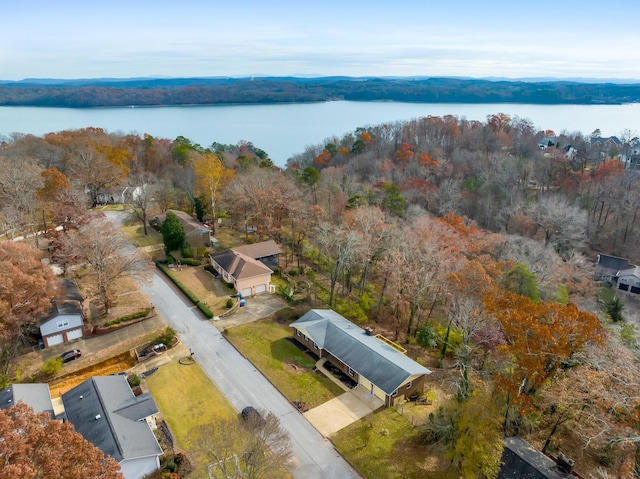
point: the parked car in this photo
(71, 355)
(251, 415)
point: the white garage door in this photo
(55, 339)
(75, 334)
(261, 288)
(246, 292)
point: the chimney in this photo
(565, 464)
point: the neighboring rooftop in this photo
(370, 357)
(37, 396)
(239, 265)
(259, 250)
(189, 222)
(105, 411)
(522, 461)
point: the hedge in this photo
(129, 317)
(192, 297)
(190, 262)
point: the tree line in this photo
(466, 238)
(205, 91)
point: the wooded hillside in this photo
(205, 91)
(470, 242)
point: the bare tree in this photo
(109, 256)
(256, 449)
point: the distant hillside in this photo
(209, 91)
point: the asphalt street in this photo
(243, 385)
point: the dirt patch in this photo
(294, 368)
(114, 365)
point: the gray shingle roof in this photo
(104, 410)
(259, 250)
(240, 266)
(371, 358)
(35, 395)
(522, 461)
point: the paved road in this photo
(243, 385)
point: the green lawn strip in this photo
(186, 398)
(267, 346)
(383, 446)
(135, 233)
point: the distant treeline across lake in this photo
(215, 91)
(284, 130)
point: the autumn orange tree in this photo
(26, 289)
(539, 337)
(37, 446)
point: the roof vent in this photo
(81, 397)
(98, 416)
(565, 464)
(369, 331)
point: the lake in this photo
(283, 130)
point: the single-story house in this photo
(373, 363)
(195, 233)
(35, 395)
(267, 252)
(248, 276)
(65, 320)
(521, 461)
(107, 413)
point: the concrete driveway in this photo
(346, 409)
(255, 308)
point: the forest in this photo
(470, 241)
(209, 91)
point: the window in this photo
(62, 323)
(315, 346)
(305, 338)
(409, 384)
(351, 372)
(394, 393)
(298, 333)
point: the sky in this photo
(199, 38)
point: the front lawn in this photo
(187, 398)
(376, 444)
(269, 346)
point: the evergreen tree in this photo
(172, 233)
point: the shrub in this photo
(210, 269)
(205, 309)
(276, 271)
(311, 274)
(133, 380)
(191, 262)
(166, 337)
(229, 303)
(427, 336)
(192, 297)
(51, 366)
(129, 317)
(187, 252)
(293, 272)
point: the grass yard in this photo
(384, 446)
(186, 398)
(135, 233)
(267, 345)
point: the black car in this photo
(251, 415)
(70, 355)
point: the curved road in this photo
(243, 385)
